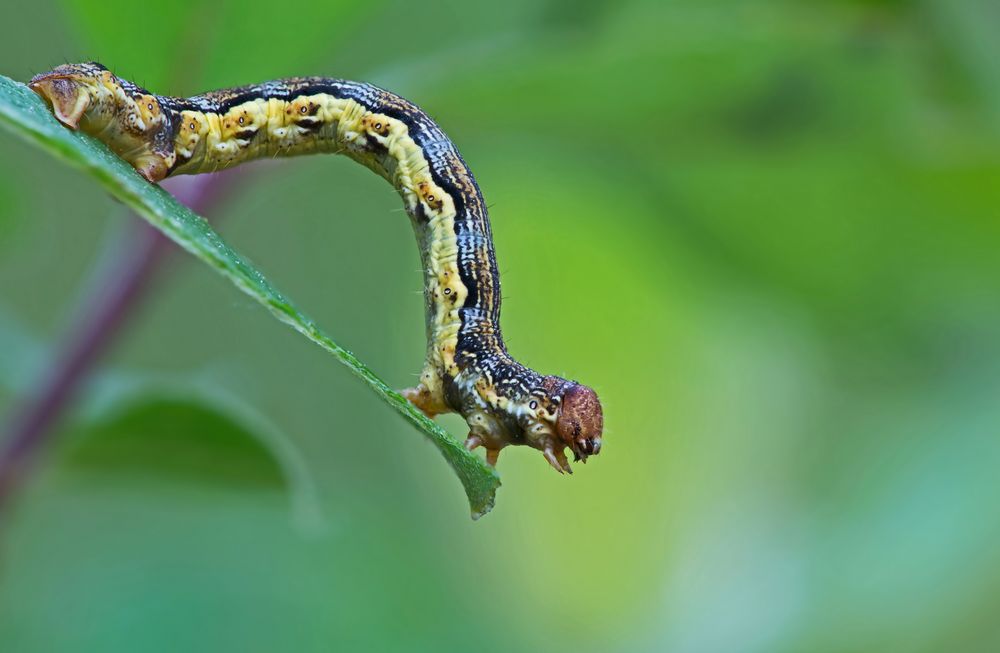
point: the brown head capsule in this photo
(581, 421)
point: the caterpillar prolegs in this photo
(467, 368)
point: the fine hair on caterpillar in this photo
(467, 368)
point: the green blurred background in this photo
(773, 227)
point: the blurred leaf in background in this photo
(785, 216)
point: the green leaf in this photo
(170, 427)
(175, 437)
(197, 435)
(26, 114)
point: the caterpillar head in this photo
(128, 119)
(578, 423)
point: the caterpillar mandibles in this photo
(467, 367)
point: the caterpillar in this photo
(467, 368)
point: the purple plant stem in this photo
(114, 301)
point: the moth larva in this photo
(467, 368)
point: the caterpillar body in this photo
(467, 367)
